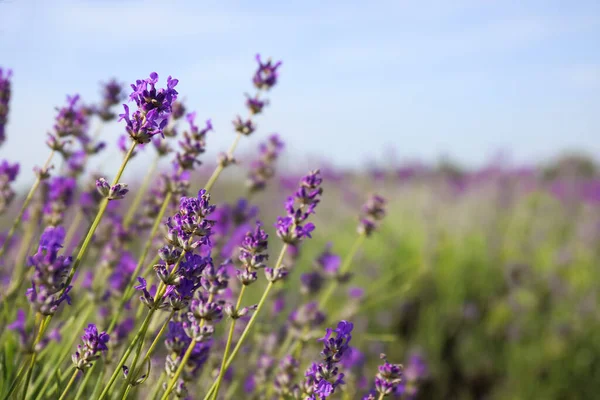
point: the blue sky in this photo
(463, 78)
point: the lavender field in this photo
(244, 278)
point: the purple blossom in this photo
(61, 191)
(112, 94)
(193, 144)
(263, 169)
(72, 119)
(266, 75)
(48, 289)
(94, 344)
(8, 174)
(291, 228)
(388, 377)
(255, 104)
(373, 211)
(153, 108)
(322, 379)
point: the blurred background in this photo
(477, 120)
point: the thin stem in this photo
(71, 381)
(149, 352)
(28, 199)
(343, 269)
(19, 271)
(99, 215)
(140, 193)
(156, 390)
(246, 331)
(182, 364)
(215, 175)
(381, 396)
(42, 328)
(130, 290)
(15, 383)
(73, 227)
(229, 340)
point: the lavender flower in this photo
(177, 342)
(388, 378)
(322, 379)
(253, 251)
(193, 144)
(263, 169)
(112, 94)
(154, 106)
(288, 368)
(72, 119)
(266, 74)
(255, 105)
(291, 228)
(61, 191)
(245, 127)
(8, 174)
(94, 344)
(373, 212)
(48, 289)
(5, 92)
(114, 192)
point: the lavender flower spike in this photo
(154, 107)
(94, 344)
(291, 228)
(322, 379)
(266, 74)
(5, 92)
(48, 289)
(8, 174)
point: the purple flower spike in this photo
(290, 228)
(266, 75)
(5, 93)
(372, 213)
(48, 289)
(153, 108)
(112, 94)
(8, 174)
(94, 344)
(322, 379)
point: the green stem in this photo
(184, 360)
(140, 193)
(156, 390)
(343, 269)
(42, 328)
(215, 175)
(246, 331)
(134, 374)
(228, 344)
(20, 268)
(130, 290)
(28, 199)
(15, 383)
(71, 381)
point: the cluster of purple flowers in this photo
(48, 289)
(373, 212)
(5, 92)
(8, 174)
(153, 108)
(112, 95)
(94, 343)
(60, 194)
(193, 144)
(263, 169)
(292, 228)
(323, 378)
